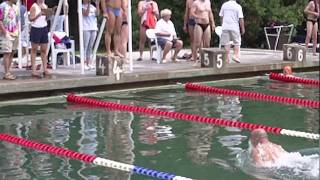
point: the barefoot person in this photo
(143, 7)
(201, 11)
(167, 36)
(9, 33)
(38, 36)
(262, 150)
(90, 28)
(113, 13)
(189, 23)
(312, 13)
(231, 16)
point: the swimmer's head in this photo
(287, 70)
(258, 136)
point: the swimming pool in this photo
(194, 150)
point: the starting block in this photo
(294, 52)
(213, 58)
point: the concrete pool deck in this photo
(146, 73)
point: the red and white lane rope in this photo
(187, 117)
(281, 77)
(58, 151)
(253, 95)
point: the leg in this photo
(315, 38)
(93, 35)
(142, 40)
(86, 40)
(44, 58)
(206, 38)
(166, 49)
(109, 32)
(309, 32)
(227, 49)
(116, 38)
(179, 45)
(197, 41)
(125, 39)
(191, 35)
(34, 48)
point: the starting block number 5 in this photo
(219, 61)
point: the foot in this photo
(174, 60)
(139, 59)
(196, 63)
(153, 59)
(9, 76)
(164, 61)
(235, 59)
(116, 53)
(46, 73)
(86, 67)
(35, 74)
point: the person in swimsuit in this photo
(262, 151)
(189, 23)
(113, 13)
(312, 13)
(202, 12)
(143, 6)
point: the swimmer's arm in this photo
(256, 158)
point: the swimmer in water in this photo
(262, 150)
(287, 71)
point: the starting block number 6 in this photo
(289, 53)
(300, 55)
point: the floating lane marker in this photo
(89, 158)
(187, 117)
(253, 95)
(281, 77)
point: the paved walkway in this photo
(253, 61)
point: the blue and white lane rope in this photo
(58, 151)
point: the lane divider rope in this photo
(58, 151)
(284, 78)
(253, 95)
(187, 117)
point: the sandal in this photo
(9, 76)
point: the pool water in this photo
(188, 149)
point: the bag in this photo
(150, 21)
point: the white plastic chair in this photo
(56, 48)
(218, 31)
(151, 34)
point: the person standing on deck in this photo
(189, 23)
(312, 12)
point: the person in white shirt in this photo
(90, 28)
(231, 15)
(167, 36)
